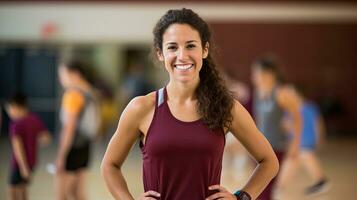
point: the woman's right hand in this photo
(149, 195)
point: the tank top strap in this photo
(161, 96)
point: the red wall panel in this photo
(321, 57)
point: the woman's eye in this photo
(171, 47)
(191, 46)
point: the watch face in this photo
(244, 196)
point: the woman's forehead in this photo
(181, 33)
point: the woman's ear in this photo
(159, 54)
(205, 50)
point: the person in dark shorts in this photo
(182, 126)
(73, 155)
(26, 130)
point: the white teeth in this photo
(184, 67)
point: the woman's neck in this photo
(181, 91)
(270, 87)
(267, 90)
(22, 113)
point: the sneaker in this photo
(320, 187)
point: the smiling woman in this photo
(182, 126)
(182, 53)
(182, 39)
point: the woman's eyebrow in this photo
(170, 43)
(174, 43)
(191, 41)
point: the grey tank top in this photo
(268, 116)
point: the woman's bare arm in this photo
(128, 131)
(244, 129)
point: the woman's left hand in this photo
(222, 193)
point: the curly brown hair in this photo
(215, 102)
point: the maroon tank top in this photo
(180, 159)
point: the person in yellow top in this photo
(74, 147)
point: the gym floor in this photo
(338, 159)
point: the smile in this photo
(184, 66)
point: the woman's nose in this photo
(182, 54)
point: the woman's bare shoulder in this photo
(141, 105)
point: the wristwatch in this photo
(242, 195)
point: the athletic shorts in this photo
(308, 142)
(78, 158)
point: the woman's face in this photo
(261, 79)
(64, 76)
(182, 52)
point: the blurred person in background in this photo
(135, 82)
(271, 100)
(79, 125)
(182, 126)
(109, 108)
(312, 137)
(26, 130)
(240, 90)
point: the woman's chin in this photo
(185, 79)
